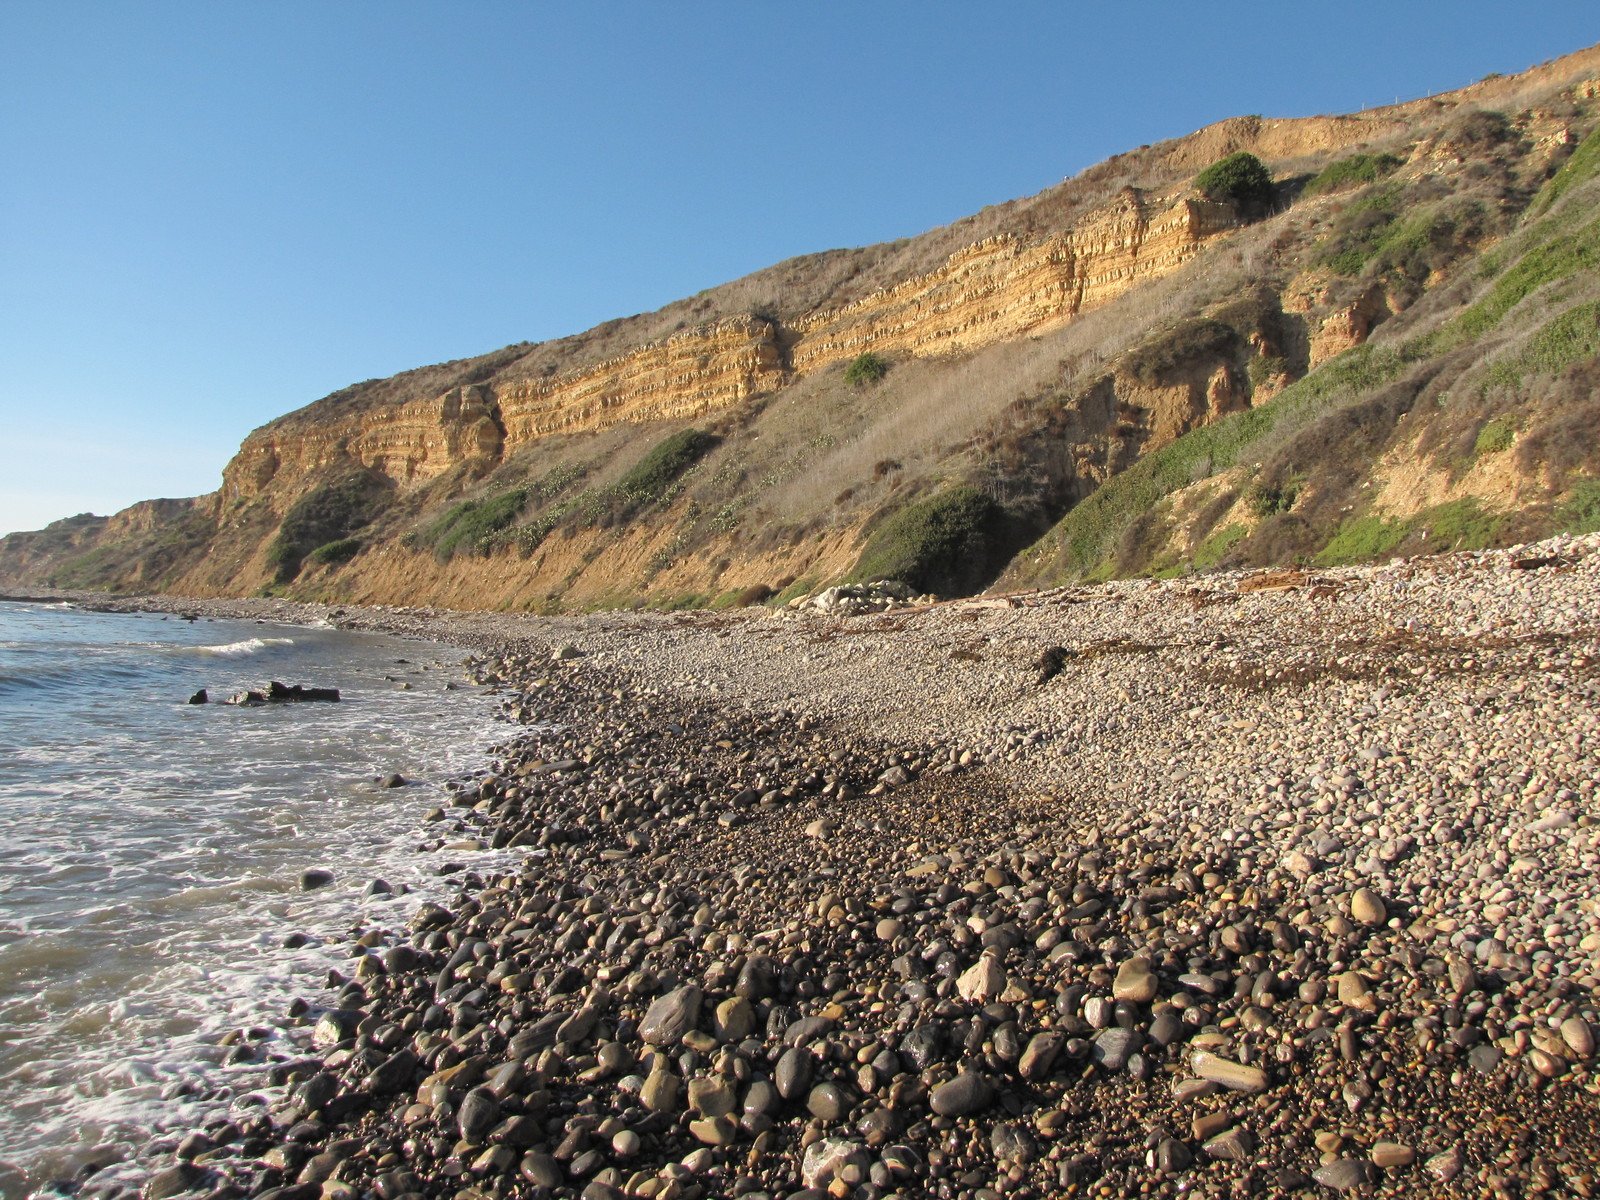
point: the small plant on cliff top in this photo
(1240, 178)
(866, 368)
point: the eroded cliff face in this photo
(683, 378)
(974, 317)
(409, 443)
(998, 289)
(1003, 287)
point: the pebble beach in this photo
(1258, 884)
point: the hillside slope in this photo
(1392, 349)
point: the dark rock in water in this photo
(392, 780)
(314, 878)
(293, 1191)
(318, 1090)
(334, 1027)
(279, 693)
(200, 697)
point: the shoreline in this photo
(1161, 888)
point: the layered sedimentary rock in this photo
(1003, 287)
(684, 377)
(408, 442)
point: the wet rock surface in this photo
(1261, 892)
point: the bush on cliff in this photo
(1241, 179)
(326, 514)
(1347, 172)
(653, 476)
(471, 524)
(866, 368)
(951, 543)
(340, 551)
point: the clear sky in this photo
(214, 213)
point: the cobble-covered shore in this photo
(1238, 885)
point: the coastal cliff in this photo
(1033, 352)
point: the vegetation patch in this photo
(326, 514)
(1264, 368)
(793, 590)
(1210, 553)
(1189, 341)
(1569, 338)
(1580, 511)
(1457, 525)
(470, 526)
(651, 479)
(1583, 164)
(1268, 499)
(866, 368)
(341, 550)
(950, 543)
(1497, 435)
(1350, 171)
(1240, 178)
(1362, 539)
(1086, 536)
(1382, 233)
(1560, 257)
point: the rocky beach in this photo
(1259, 884)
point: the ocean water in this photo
(151, 854)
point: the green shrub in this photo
(866, 368)
(1556, 345)
(653, 476)
(326, 514)
(340, 551)
(1240, 178)
(1214, 549)
(1377, 234)
(1558, 257)
(1580, 511)
(950, 543)
(1495, 436)
(1361, 539)
(1264, 368)
(1270, 499)
(471, 524)
(1357, 168)
(1457, 525)
(792, 590)
(1085, 537)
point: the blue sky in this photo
(211, 214)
